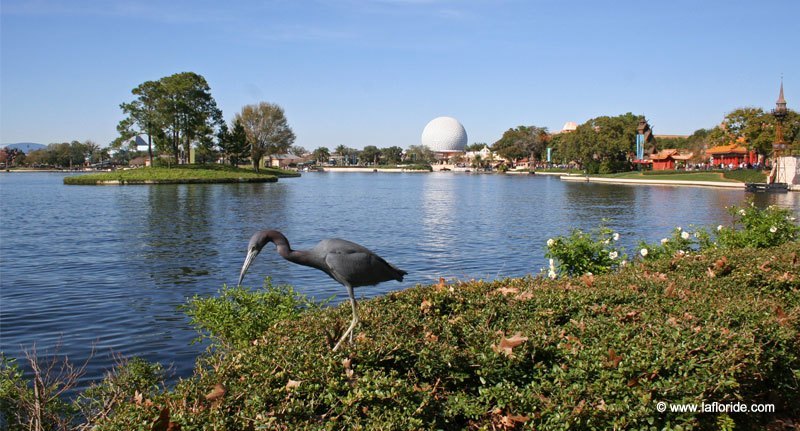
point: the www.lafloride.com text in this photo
(715, 407)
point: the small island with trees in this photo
(183, 124)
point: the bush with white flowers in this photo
(596, 252)
(760, 228)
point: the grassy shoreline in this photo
(181, 174)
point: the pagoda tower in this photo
(780, 114)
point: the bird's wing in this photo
(357, 266)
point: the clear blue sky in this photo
(374, 72)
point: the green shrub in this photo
(581, 253)
(14, 391)
(132, 381)
(587, 354)
(240, 315)
(679, 243)
(746, 175)
(755, 227)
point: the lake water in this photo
(108, 267)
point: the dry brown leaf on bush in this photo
(588, 280)
(782, 317)
(506, 291)
(765, 266)
(348, 371)
(217, 393)
(524, 296)
(431, 337)
(710, 272)
(630, 316)
(511, 421)
(613, 358)
(507, 345)
(162, 423)
(425, 305)
(291, 384)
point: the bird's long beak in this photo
(251, 254)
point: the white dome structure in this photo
(444, 135)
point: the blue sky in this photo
(374, 72)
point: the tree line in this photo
(177, 113)
(68, 155)
(607, 144)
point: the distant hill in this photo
(25, 147)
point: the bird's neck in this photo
(300, 257)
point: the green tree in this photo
(142, 115)
(187, 110)
(391, 155)
(321, 155)
(420, 154)
(521, 142)
(266, 129)
(758, 128)
(233, 142)
(347, 154)
(370, 154)
(297, 150)
(476, 146)
(601, 143)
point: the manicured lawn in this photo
(688, 176)
(180, 174)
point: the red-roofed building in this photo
(731, 154)
(667, 159)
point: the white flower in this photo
(685, 235)
(678, 229)
(680, 252)
(719, 227)
(552, 275)
(615, 237)
(607, 241)
(773, 229)
(550, 242)
(742, 212)
(613, 255)
(643, 252)
(664, 241)
(552, 264)
(623, 263)
(790, 218)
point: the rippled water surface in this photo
(109, 266)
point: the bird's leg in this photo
(353, 323)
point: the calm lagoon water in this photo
(108, 267)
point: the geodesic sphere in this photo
(444, 135)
